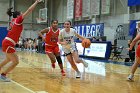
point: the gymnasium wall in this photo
(4, 4)
(57, 9)
(60, 10)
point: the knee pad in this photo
(59, 60)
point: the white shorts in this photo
(70, 50)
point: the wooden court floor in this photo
(35, 75)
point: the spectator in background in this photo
(100, 39)
(35, 44)
(30, 44)
(94, 39)
(40, 41)
(131, 52)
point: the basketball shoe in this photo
(53, 65)
(63, 73)
(4, 78)
(78, 74)
(130, 77)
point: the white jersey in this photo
(69, 37)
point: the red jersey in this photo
(52, 37)
(16, 28)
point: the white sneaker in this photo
(78, 74)
(4, 79)
(130, 78)
(85, 63)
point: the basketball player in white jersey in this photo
(66, 39)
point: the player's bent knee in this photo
(15, 61)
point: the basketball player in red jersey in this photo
(51, 44)
(12, 38)
(137, 57)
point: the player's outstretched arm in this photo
(31, 8)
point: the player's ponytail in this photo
(9, 12)
(14, 14)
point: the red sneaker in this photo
(53, 65)
(63, 73)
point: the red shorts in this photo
(8, 46)
(138, 51)
(52, 49)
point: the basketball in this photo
(86, 43)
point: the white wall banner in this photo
(86, 8)
(105, 6)
(70, 8)
(95, 7)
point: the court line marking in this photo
(23, 87)
(42, 92)
(28, 88)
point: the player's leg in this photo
(135, 65)
(73, 65)
(59, 60)
(49, 52)
(133, 69)
(4, 62)
(79, 60)
(14, 58)
(9, 50)
(56, 52)
(52, 58)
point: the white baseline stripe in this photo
(22, 86)
(42, 92)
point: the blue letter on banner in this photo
(90, 30)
